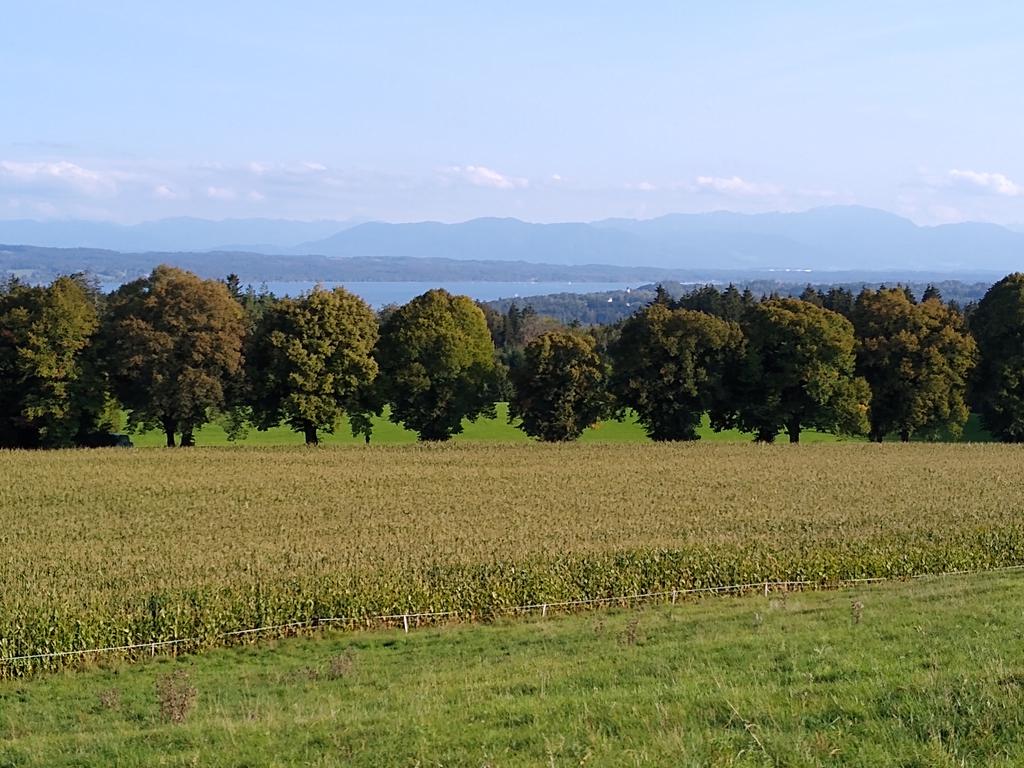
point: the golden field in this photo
(114, 547)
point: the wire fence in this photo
(412, 620)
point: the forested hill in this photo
(611, 306)
(37, 264)
(41, 265)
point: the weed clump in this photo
(856, 611)
(176, 696)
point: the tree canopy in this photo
(799, 372)
(673, 365)
(998, 385)
(171, 342)
(437, 364)
(176, 351)
(310, 361)
(52, 393)
(917, 358)
(558, 387)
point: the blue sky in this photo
(127, 111)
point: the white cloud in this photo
(304, 175)
(990, 183)
(641, 186)
(734, 185)
(138, 189)
(481, 176)
(278, 172)
(220, 193)
(58, 174)
(166, 192)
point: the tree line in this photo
(174, 351)
(610, 307)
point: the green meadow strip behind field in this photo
(490, 430)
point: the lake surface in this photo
(379, 294)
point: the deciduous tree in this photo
(310, 360)
(52, 393)
(171, 343)
(799, 372)
(916, 359)
(437, 364)
(673, 365)
(558, 387)
(998, 382)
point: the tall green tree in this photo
(812, 295)
(559, 387)
(18, 304)
(998, 382)
(310, 361)
(510, 333)
(172, 342)
(437, 364)
(839, 300)
(917, 359)
(664, 298)
(735, 304)
(799, 372)
(52, 394)
(673, 365)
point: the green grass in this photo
(387, 433)
(932, 674)
(495, 430)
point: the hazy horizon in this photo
(352, 221)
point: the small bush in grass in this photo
(110, 699)
(340, 665)
(856, 611)
(176, 696)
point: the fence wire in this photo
(393, 618)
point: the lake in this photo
(379, 294)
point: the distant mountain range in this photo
(40, 264)
(835, 238)
(179, 234)
(821, 239)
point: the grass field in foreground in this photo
(115, 547)
(932, 674)
(493, 430)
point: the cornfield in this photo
(112, 547)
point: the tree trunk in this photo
(188, 440)
(793, 429)
(435, 432)
(876, 436)
(905, 436)
(309, 430)
(765, 436)
(169, 425)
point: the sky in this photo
(569, 111)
